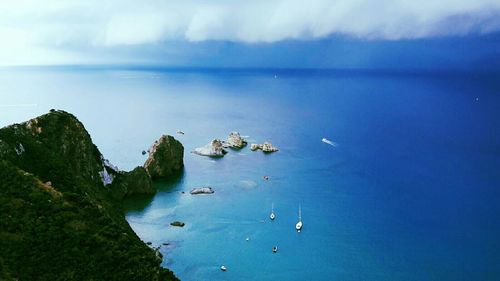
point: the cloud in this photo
(32, 31)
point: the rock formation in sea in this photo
(265, 147)
(236, 141)
(202, 190)
(165, 157)
(214, 149)
(60, 218)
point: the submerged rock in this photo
(202, 190)
(214, 149)
(265, 147)
(247, 184)
(165, 157)
(236, 141)
(177, 223)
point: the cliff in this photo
(60, 214)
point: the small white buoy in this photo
(248, 239)
(223, 268)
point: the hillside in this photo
(60, 213)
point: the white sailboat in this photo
(298, 226)
(272, 216)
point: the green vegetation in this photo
(57, 219)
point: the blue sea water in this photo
(411, 191)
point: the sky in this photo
(257, 33)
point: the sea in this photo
(407, 189)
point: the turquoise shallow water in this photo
(409, 193)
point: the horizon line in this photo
(184, 68)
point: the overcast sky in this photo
(125, 31)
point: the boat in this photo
(272, 216)
(298, 226)
(275, 249)
(223, 268)
(327, 141)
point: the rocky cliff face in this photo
(165, 157)
(58, 218)
(134, 182)
(56, 148)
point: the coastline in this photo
(61, 206)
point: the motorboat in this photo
(298, 226)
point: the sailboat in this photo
(298, 226)
(272, 216)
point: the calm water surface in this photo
(410, 192)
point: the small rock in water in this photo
(236, 141)
(265, 147)
(177, 223)
(144, 152)
(149, 243)
(268, 147)
(202, 190)
(214, 149)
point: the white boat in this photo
(275, 249)
(223, 268)
(272, 216)
(327, 141)
(298, 226)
